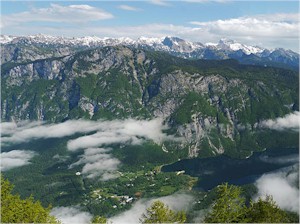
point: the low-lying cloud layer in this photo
(98, 163)
(282, 186)
(73, 214)
(176, 202)
(289, 159)
(26, 131)
(108, 132)
(290, 121)
(96, 159)
(15, 158)
(69, 215)
(121, 131)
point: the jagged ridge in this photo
(224, 49)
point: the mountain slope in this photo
(214, 105)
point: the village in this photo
(131, 186)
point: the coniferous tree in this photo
(266, 211)
(161, 213)
(99, 219)
(17, 210)
(229, 206)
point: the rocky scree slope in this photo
(214, 106)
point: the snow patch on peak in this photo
(209, 44)
(228, 44)
(150, 40)
(88, 40)
(6, 39)
(226, 41)
(125, 40)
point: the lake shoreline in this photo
(213, 171)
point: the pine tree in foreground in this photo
(230, 207)
(17, 210)
(161, 213)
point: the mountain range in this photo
(15, 47)
(89, 120)
(215, 106)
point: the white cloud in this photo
(290, 159)
(269, 30)
(200, 215)
(98, 163)
(129, 8)
(281, 17)
(127, 131)
(178, 201)
(57, 13)
(108, 132)
(207, 1)
(160, 2)
(282, 186)
(69, 215)
(8, 128)
(15, 158)
(26, 131)
(60, 158)
(261, 26)
(147, 30)
(290, 121)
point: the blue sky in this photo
(268, 23)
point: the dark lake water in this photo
(216, 170)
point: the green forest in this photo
(229, 206)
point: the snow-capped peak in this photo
(6, 39)
(226, 41)
(125, 40)
(209, 44)
(149, 40)
(167, 43)
(173, 45)
(232, 45)
(42, 38)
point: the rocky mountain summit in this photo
(213, 105)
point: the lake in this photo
(216, 170)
